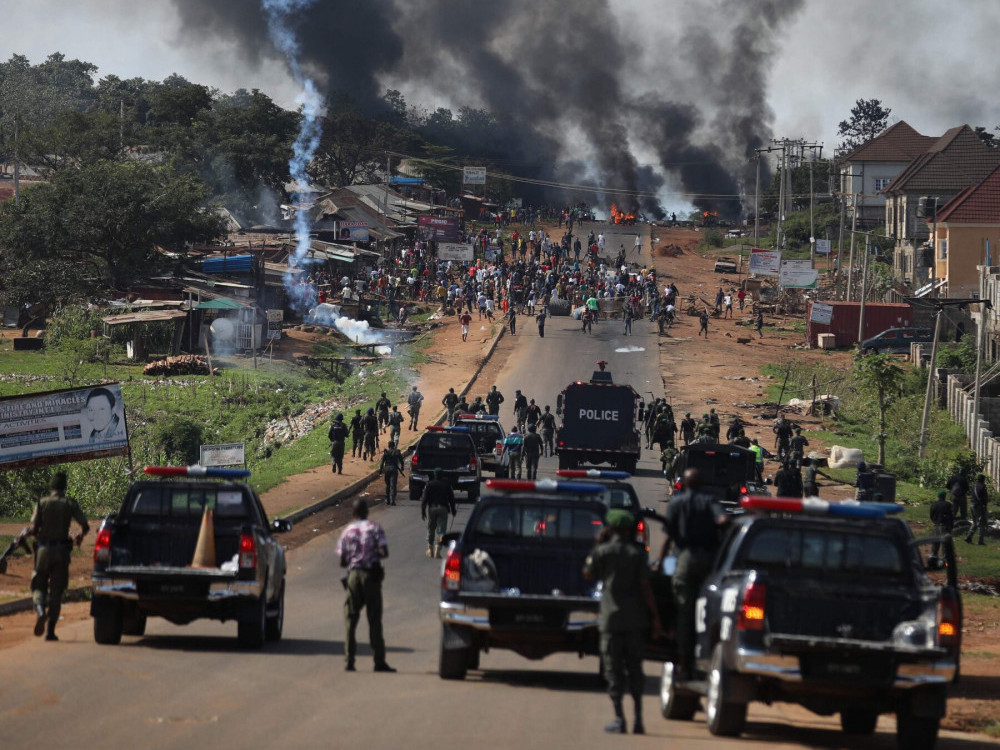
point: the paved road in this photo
(192, 687)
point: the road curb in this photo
(364, 481)
(25, 605)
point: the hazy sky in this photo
(932, 62)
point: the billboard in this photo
(59, 426)
(225, 454)
(474, 175)
(798, 274)
(823, 247)
(765, 262)
(455, 251)
(352, 231)
(438, 228)
(821, 313)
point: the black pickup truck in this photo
(829, 606)
(453, 451)
(143, 558)
(727, 471)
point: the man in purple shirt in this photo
(361, 548)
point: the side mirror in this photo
(281, 525)
(559, 403)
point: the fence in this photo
(977, 428)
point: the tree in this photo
(868, 119)
(986, 136)
(100, 225)
(879, 375)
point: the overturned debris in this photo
(184, 364)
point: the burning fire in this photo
(621, 217)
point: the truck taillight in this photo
(248, 551)
(499, 448)
(642, 533)
(452, 579)
(413, 461)
(473, 461)
(102, 547)
(949, 620)
(753, 609)
(678, 485)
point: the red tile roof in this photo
(957, 160)
(978, 204)
(899, 142)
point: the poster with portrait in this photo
(439, 228)
(75, 424)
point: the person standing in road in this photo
(713, 419)
(369, 423)
(540, 320)
(638, 244)
(361, 548)
(758, 451)
(50, 525)
(512, 319)
(493, 400)
(548, 422)
(391, 465)
(759, 324)
(450, 401)
(693, 522)
(788, 481)
(512, 451)
(627, 315)
(943, 518)
(395, 424)
(520, 410)
(413, 402)
(627, 596)
(741, 297)
(980, 499)
(727, 304)
(532, 448)
(436, 502)
(466, 320)
(337, 435)
(703, 321)
(688, 427)
(797, 447)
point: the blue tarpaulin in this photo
(406, 180)
(231, 264)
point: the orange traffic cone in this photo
(204, 550)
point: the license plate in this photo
(527, 618)
(174, 589)
(851, 669)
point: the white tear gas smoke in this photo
(280, 16)
(358, 331)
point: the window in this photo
(831, 551)
(942, 249)
(881, 183)
(539, 522)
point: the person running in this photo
(703, 320)
(548, 422)
(450, 401)
(688, 427)
(512, 319)
(727, 303)
(395, 424)
(520, 410)
(390, 467)
(382, 411)
(413, 402)
(759, 324)
(741, 297)
(466, 320)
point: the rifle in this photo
(21, 540)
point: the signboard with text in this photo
(352, 231)
(59, 426)
(798, 274)
(822, 247)
(438, 228)
(821, 313)
(225, 454)
(455, 251)
(474, 175)
(765, 262)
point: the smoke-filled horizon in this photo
(688, 117)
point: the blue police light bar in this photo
(544, 485)
(491, 417)
(815, 506)
(442, 428)
(593, 474)
(196, 471)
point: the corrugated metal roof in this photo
(219, 303)
(144, 316)
(228, 264)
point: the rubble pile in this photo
(287, 429)
(670, 251)
(185, 364)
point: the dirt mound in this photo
(670, 251)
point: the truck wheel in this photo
(674, 705)
(276, 620)
(134, 623)
(250, 633)
(629, 465)
(858, 721)
(414, 491)
(916, 732)
(563, 461)
(473, 658)
(453, 663)
(108, 625)
(725, 718)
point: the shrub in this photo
(179, 438)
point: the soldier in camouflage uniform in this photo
(50, 523)
(390, 467)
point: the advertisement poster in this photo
(225, 454)
(798, 274)
(474, 175)
(439, 228)
(456, 251)
(352, 231)
(765, 262)
(822, 247)
(58, 426)
(821, 313)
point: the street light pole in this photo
(930, 383)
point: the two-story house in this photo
(966, 236)
(957, 160)
(867, 170)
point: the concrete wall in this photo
(977, 430)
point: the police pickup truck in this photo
(186, 548)
(487, 433)
(828, 605)
(598, 423)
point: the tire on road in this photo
(415, 491)
(858, 720)
(725, 717)
(559, 307)
(674, 705)
(251, 632)
(453, 663)
(108, 624)
(133, 622)
(276, 619)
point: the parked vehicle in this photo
(144, 555)
(897, 340)
(453, 451)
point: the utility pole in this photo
(756, 209)
(840, 248)
(812, 225)
(388, 169)
(850, 259)
(930, 382)
(864, 283)
(984, 309)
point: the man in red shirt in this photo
(465, 319)
(740, 296)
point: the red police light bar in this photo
(442, 428)
(815, 506)
(593, 474)
(196, 471)
(543, 485)
(494, 417)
